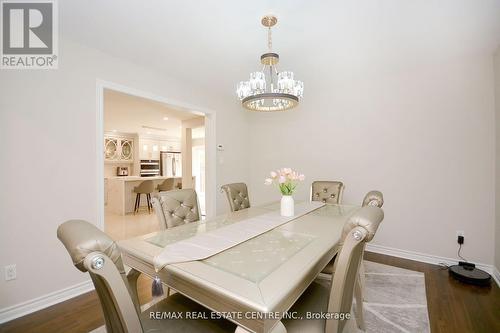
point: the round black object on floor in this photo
(470, 275)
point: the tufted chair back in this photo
(237, 195)
(167, 185)
(327, 191)
(93, 251)
(176, 207)
(358, 230)
(374, 198)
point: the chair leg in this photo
(358, 295)
(139, 202)
(136, 206)
(148, 198)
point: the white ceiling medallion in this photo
(270, 90)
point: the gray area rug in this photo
(395, 300)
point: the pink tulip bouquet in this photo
(286, 179)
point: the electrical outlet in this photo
(10, 272)
(460, 233)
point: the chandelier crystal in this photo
(270, 90)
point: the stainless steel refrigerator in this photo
(171, 163)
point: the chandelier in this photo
(270, 90)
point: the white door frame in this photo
(210, 145)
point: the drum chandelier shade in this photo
(270, 90)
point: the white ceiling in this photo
(217, 43)
(130, 114)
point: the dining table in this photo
(253, 283)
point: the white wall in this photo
(497, 193)
(110, 169)
(49, 167)
(420, 128)
(198, 142)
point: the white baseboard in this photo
(429, 258)
(22, 309)
(496, 275)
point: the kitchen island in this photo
(121, 195)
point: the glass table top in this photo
(335, 210)
(185, 231)
(255, 258)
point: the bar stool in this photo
(146, 187)
(167, 185)
(177, 183)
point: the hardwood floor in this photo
(453, 306)
(79, 314)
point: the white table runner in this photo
(210, 243)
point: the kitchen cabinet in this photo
(170, 145)
(150, 148)
(118, 149)
(126, 151)
(110, 148)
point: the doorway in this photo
(138, 131)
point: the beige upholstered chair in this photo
(336, 296)
(372, 198)
(146, 187)
(327, 191)
(178, 183)
(167, 185)
(237, 195)
(93, 251)
(176, 207)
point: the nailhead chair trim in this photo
(237, 195)
(327, 191)
(176, 207)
